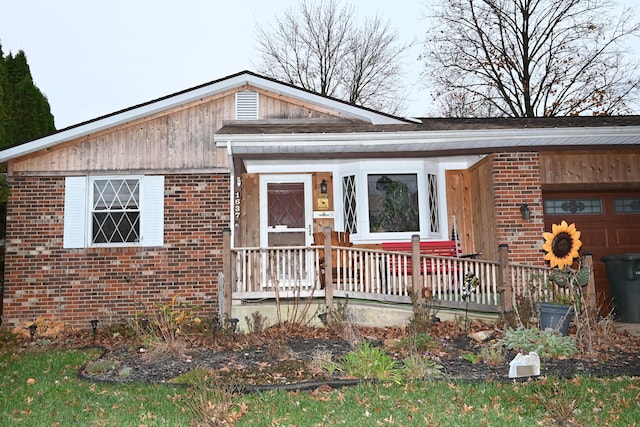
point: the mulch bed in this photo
(281, 355)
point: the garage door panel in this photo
(596, 238)
(609, 222)
(627, 236)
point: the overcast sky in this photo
(95, 57)
(92, 57)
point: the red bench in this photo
(442, 248)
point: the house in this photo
(124, 211)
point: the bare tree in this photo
(321, 46)
(531, 58)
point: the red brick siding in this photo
(517, 180)
(109, 284)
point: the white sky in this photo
(93, 57)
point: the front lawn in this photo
(40, 388)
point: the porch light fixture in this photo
(525, 211)
(94, 326)
(323, 187)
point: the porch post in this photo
(416, 285)
(504, 279)
(226, 272)
(328, 269)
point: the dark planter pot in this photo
(555, 316)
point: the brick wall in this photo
(517, 180)
(110, 284)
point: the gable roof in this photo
(186, 96)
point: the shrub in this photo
(212, 404)
(161, 331)
(547, 343)
(421, 367)
(370, 362)
(492, 355)
(256, 324)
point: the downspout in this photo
(224, 277)
(232, 187)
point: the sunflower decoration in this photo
(562, 245)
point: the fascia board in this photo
(497, 138)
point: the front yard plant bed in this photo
(282, 358)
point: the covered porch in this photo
(286, 273)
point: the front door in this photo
(285, 210)
(286, 228)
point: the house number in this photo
(236, 205)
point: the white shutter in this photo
(246, 105)
(152, 211)
(75, 212)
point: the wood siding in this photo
(483, 214)
(596, 167)
(459, 205)
(177, 140)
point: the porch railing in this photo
(362, 274)
(286, 272)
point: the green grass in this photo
(55, 397)
(612, 402)
(58, 398)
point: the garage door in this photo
(608, 220)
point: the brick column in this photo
(517, 180)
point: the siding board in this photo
(175, 140)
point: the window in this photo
(379, 201)
(573, 206)
(114, 211)
(115, 215)
(627, 205)
(393, 203)
(349, 204)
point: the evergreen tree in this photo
(25, 113)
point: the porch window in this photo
(393, 203)
(380, 201)
(114, 211)
(349, 202)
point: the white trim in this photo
(426, 141)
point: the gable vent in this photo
(246, 105)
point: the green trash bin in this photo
(623, 272)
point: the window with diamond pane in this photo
(349, 204)
(115, 211)
(432, 189)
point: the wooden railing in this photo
(287, 272)
(275, 271)
(533, 283)
(362, 274)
